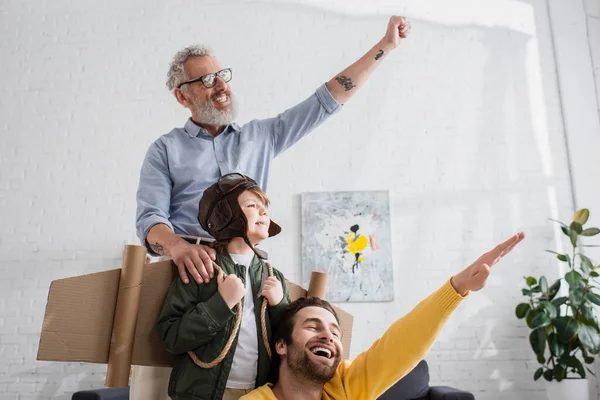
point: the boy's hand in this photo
(231, 288)
(272, 291)
(473, 277)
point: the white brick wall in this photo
(462, 124)
(592, 11)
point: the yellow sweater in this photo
(391, 357)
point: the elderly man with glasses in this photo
(181, 164)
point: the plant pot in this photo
(568, 389)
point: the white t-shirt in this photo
(245, 359)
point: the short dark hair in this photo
(284, 326)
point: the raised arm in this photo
(408, 340)
(346, 83)
(290, 126)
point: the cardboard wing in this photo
(110, 317)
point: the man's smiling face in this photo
(213, 106)
(316, 348)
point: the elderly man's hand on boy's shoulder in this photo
(194, 258)
(272, 291)
(230, 288)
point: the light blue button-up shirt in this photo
(180, 165)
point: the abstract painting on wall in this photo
(348, 235)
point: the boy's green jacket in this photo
(196, 318)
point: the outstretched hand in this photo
(474, 277)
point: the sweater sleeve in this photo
(401, 347)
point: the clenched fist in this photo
(473, 277)
(272, 291)
(397, 29)
(231, 288)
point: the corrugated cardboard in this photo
(110, 317)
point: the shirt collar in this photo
(194, 130)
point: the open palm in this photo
(474, 277)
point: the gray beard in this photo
(208, 114)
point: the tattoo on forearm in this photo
(345, 82)
(157, 248)
(379, 54)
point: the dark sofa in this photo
(414, 386)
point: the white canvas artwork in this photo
(348, 235)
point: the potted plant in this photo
(565, 333)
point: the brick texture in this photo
(462, 124)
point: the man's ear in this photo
(281, 347)
(181, 97)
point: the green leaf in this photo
(556, 347)
(594, 274)
(554, 289)
(565, 230)
(531, 281)
(586, 261)
(561, 223)
(559, 372)
(566, 328)
(573, 236)
(530, 317)
(559, 301)
(538, 373)
(573, 278)
(536, 289)
(590, 232)
(537, 340)
(576, 226)
(587, 310)
(526, 292)
(580, 369)
(586, 356)
(581, 216)
(543, 284)
(548, 374)
(593, 297)
(576, 297)
(540, 320)
(522, 310)
(551, 309)
(588, 335)
(541, 359)
(574, 363)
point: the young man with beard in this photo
(307, 340)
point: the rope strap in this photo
(236, 328)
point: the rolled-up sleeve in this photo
(293, 124)
(154, 191)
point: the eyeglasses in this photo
(209, 80)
